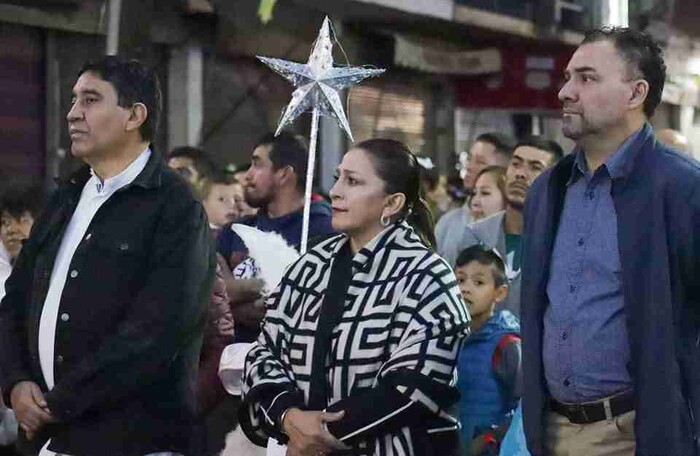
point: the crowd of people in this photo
(553, 312)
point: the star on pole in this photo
(317, 82)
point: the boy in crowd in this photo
(489, 363)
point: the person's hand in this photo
(30, 407)
(223, 265)
(249, 314)
(308, 436)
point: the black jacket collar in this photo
(150, 177)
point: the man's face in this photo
(481, 155)
(597, 91)
(14, 230)
(96, 123)
(185, 166)
(261, 181)
(526, 164)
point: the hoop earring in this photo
(385, 221)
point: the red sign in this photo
(530, 79)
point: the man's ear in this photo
(138, 113)
(287, 175)
(640, 91)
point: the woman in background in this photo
(489, 193)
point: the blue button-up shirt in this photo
(585, 347)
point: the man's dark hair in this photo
(134, 83)
(643, 55)
(201, 161)
(486, 256)
(538, 142)
(503, 144)
(18, 198)
(287, 149)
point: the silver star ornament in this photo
(317, 82)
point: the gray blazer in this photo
(489, 231)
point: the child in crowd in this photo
(219, 200)
(489, 363)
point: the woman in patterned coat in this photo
(358, 349)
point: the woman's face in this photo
(358, 198)
(487, 199)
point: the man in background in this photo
(274, 184)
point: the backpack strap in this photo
(503, 342)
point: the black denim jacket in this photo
(131, 315)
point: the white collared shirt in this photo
(5, 269)
(94, 195)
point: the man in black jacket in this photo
(101, 325)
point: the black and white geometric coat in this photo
(391, 360)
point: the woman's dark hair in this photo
(396, 165)
(20, 197)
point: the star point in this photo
(318, 81)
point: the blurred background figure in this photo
(193, 164)
(674, 139)
(20, 205)
(434, 188)
(455, 191)
(238, 171)
(5, 268)
(489, 193)
(489, 149)
(215, 408)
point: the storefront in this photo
(22, 103)
(520, 99)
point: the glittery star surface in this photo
(317, 82)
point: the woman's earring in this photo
(384, 220)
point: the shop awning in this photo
(412, 53)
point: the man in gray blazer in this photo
(503, 230)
